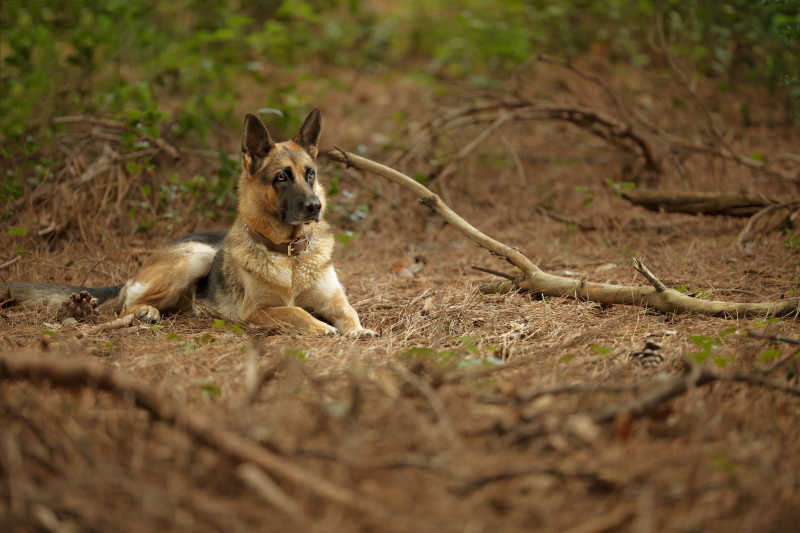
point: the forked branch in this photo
(534, 279)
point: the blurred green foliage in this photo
(115, 55)
(178, 68)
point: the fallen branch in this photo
(697, 203)
(74, 373)
(536, 280)
(696, 377)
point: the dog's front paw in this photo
(326, 329)
(361, 333)
(145, 313)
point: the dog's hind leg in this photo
(167, 279)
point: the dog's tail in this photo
(52, 295)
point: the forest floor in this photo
(442, 423)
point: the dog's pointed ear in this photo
(308, 136)
(256, 143)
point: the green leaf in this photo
(212, 389)
(702, 340)
(468, 343)
(297, 353)
(333, 185)
(419, 351)
(420, 177)
(345, 237)
(219, 324)
(601, 350)
(18, 231)
(769, 355)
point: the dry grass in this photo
(440, 442)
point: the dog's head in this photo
(281, 178)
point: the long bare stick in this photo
(76, 373)
(432, 200)
(536, 280)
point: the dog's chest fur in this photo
(269, 279)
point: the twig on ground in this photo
(446, 169)
(472, 373)
(92, 121)
(505, 475)
(771, 218)
(75, 373)
(577, 388)
(540, 282)
(565, 220)
(775, 338)
(10, 262)
(119, 323)
(605, 522)
(495, 273)
(696, 377)
(262, 379)
(164, 146)
(642, 269)
(269, 490)
(434, 401)
(588, 77)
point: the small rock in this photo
(583, 427)
(607, 266)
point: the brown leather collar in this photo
(294, 247)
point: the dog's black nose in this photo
(312, 207)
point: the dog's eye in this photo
(281, 177)
(310, 175)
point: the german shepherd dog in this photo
(269, 269)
